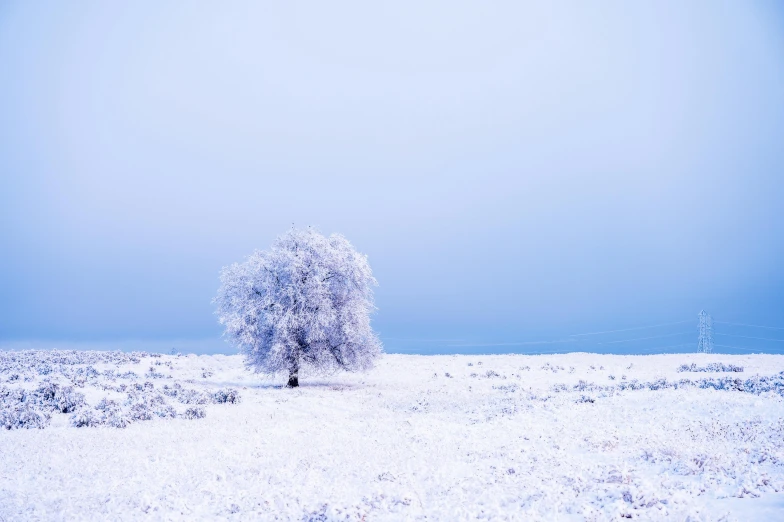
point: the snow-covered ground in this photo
(548, 437)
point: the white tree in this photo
(306, 301)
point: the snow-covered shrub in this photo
(12, 396)
(712, 367)
(46, 392)
(166, 411)
(581, 385)
(57, 398)
(153, 374)
(655, 385)
(116, 420)
(109, 413)
(84, 418)
(54, 390)
(756, 385)
(307, 301)
(146, 387)
(23, 416)
(190, 396)
(194, 413)
(171, 391)
(66, 400)
(106, 405)
(140, 411)
(193, 397)
(552, 367)
(142, 405)
(227, 395)
(139, 406)
(44, 362)
(20, 408)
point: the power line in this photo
(645, 338)
(747, 337)
(552, 352)
(738, 347)
(666, 347)
(564, 341)
(510, 344)
(422, 340)
(750, 325)
(630, 329)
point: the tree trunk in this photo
(293, 374)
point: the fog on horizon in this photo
(519, 174)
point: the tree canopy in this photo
(306, 301)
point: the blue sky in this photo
(517, 172)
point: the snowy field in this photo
(108, 435)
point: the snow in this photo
(502, 437)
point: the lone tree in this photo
(306, 301)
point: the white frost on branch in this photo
(306, 301)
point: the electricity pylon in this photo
(705, 341)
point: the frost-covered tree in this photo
(306, 301)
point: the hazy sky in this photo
(515, 171)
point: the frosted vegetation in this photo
(34, 385)
(503, 437)
(306, 301)
(712, 367)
